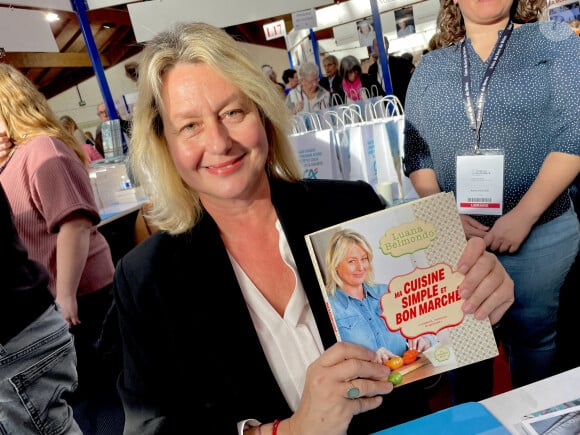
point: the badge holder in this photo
(479, 177)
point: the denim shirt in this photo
(360, 322)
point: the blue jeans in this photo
(37, 369)
(538, 269)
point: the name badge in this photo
(480, 183)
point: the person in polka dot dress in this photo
(507, 79)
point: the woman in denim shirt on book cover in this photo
(356, 301)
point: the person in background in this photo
(356, 84)
(332, 81)
(71, 126)
(408, 56)
(232, 213)
(529, 113)
(37, 358)
(290, 79)
(89, 138)
(308, 96)
(47, 183)
(355, 300)
(400, 71)
(271, 74)
(104, 116)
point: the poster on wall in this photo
(345, 34)
(405, 21)
(565, 12)
(366, 32)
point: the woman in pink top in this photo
(47, 183)
(72, 127)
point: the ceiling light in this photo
(51, 17)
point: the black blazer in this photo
(400, 71)
(335, 89)
(192, 359)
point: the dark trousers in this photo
(473, 382)
(567, 328)
(93, 309)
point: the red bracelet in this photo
(275, 427)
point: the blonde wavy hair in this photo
(335, 253)
(451, 28)
(27, 114)
(176, 206)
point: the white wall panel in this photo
(25, 30)
(151, 17)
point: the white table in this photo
(116, 211)
(510, 407)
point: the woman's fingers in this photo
(487, 289)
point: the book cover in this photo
(558, 407)
(561, 422)
(390, 283)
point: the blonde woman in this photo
(355, 299)
(46, 180)
(210, 134)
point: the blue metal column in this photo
(315, 52)
(381, 44)
(290, 59)
(80, 8)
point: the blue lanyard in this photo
(475, 115)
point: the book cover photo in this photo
(390, 283)
(561, 422)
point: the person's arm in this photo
(556, 174)
(72, 249)
(425, 182)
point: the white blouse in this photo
(290, 343)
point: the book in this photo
(564, 421)
(414, 251)
(563, 405)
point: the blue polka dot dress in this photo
(532, 108)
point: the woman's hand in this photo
(509, 231)
(5, 144)
(298, 107)
(69, 308)
(325, 406)
(420, 344)
(487, 289)
(383, 354)
(472, 227)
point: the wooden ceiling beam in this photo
(51, 60)
(109, 15)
